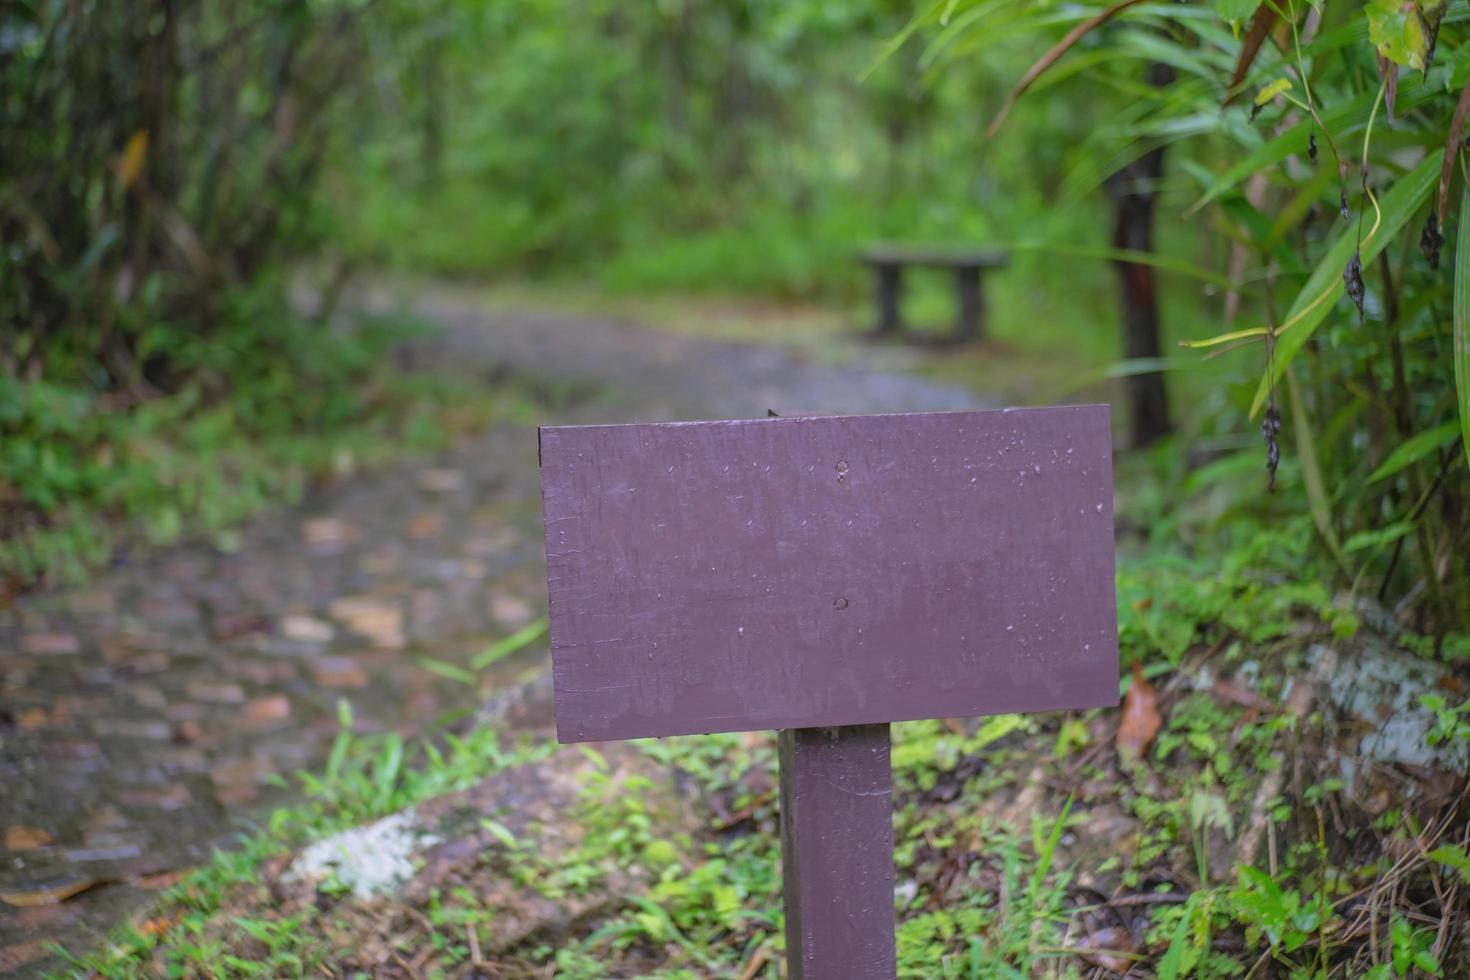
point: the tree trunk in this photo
(1134, 191)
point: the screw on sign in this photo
(825, 577)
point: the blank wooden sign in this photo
(812, 572)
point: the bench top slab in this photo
(949, 258)
(811, 572)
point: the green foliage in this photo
(1282, 916)
(365, 777)
(1175, 602)
(1451, 723)
(155, 381)
(274, 404)
(1330, 135)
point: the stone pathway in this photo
(141, 719)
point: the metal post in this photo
(837, 853)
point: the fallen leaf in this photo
(130, 161)
(1140, 717)
(441, 481)
(276, 707)
(426, 525)
(153, 928)
(159, 881)
(305, 629)
(1110, 948)
(22, 838)
(49, 894)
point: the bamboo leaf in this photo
(1342, 120)
(1162, 262)
(1310, 308)
(1380, 537)
(1462, 314)
(1306, 449)
(1236, 10)
(1415, 449)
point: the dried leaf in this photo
(153, 928)
(1110, 947)
(1270, 429)
(1255, 36)
(1430, 240)
(130, 162)
(1141, 718)
(1352, 281)
(48, 894)
(1054, 55)
(22, 838)
(1451, 148)
(1388, 73)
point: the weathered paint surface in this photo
(837, 853)
(814, 572)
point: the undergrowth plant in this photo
(1317, 147)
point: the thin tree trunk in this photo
(1134, 192)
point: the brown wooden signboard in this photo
(824, 577)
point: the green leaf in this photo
(510, 644)
(1236, 10)
(1342, 120)
(1397, 30)
(1306, 447)
(1462, 315)
(1397, 206)
(1415, 449)
(452, 671)
(1182, 952)
(500, 832)
(1269, 92)
(388, 765)
(1454, 856)
(1378, 537)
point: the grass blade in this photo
(1306, 449)
(503, 648)
(451, 671)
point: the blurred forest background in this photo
(166, 167)
(1243, 223)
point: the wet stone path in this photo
(143, 718)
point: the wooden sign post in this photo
(825, 577)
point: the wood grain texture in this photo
(837, 853)
(814, 572)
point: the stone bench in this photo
(889, 261)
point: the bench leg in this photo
(970, 324)
(837, 853)
(889, 281)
